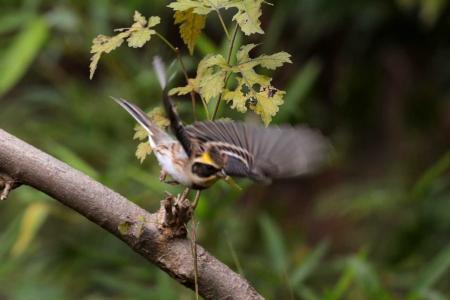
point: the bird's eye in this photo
(204, 170)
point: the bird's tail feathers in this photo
(141, 117)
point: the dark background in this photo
(373, 75)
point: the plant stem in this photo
(230, 51)
(183, 68)
(223, 24)
(172, 47)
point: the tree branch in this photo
(139, 229)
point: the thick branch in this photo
(132, 224)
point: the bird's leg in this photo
(162, 175)
(196, 200)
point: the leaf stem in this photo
(223, 24)
(183, 68)
(171, 46)
(230, 51)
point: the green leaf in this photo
(435, 171)
(274, 244)
(20, 54)
(33, 217)
(310, 263)
(437, 267)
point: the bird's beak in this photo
(221, 174)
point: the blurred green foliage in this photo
(373, 75)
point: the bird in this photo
(200, 154)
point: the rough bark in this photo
(139, 229)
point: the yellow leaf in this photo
(153, 21)
(139, 19)
(191, 26)
(209, 80)
(211, 84)
(140, 133)
(201, 7)
(158, 117)
(137, 35)
(273, 61)
(248, 15)
(268, 101)
(184, 90)
(142, 151)
(138, 38)
(33, 217)
(104, 44)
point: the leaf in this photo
(310, 263)
(33, 217)
(237, 97)
(266, 99)
(191, 26)
(24, 48)
(138, 38)
(267, 104)
(248, 15)
(435, 270)
(274, 244)
(137, 35)
(201, 7)
(143, 150)
(210, 79)
(104, 44)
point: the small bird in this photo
(204, 152)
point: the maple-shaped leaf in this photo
(143, 149)
(140, 30)
(253, 90)
(249, 12)
(104, 44)
(191, 26)
(210, 79)
(268, 100)
(137, 35)
(247, 15)
(237, 97)
(201, 7)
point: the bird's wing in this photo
(262, 153)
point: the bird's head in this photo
(208, 166)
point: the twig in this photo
(7, 184)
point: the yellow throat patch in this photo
(206, 159)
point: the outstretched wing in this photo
(262, 153)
